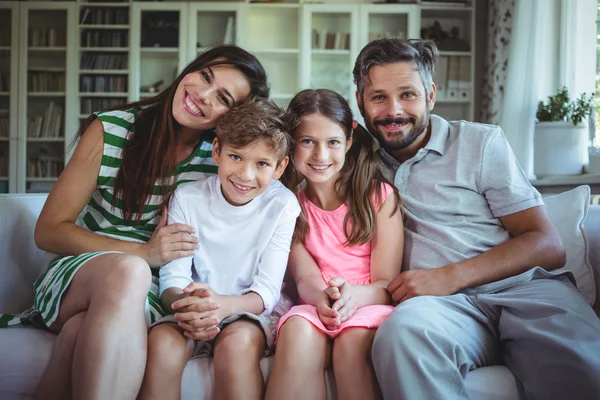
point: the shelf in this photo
(103, 94)
(4, 139)
(159, 50)
(45, 94)
(274, 6)
(105, 4)
(39, 179)
(104, 26)
(3, 178)
(46, 69)
(453, 101)
(105, 49)
(459, 6)
(45, 139)
(275, 51)
(331, 52)
(5, 48)
(47, 48)
(557, 180)
(456, 53)
(149, 94)
(4, 93)
(104, 71)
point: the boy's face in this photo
(246, 172)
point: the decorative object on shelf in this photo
(153, 88)
(594, 155)
(445, 41)
(561, 134)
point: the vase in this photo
(559, 148)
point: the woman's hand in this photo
(344, 302)
(169, 242)
(198, 313)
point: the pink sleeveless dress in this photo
(325, 242)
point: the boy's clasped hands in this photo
(338, 304)
(200, 312)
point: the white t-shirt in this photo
(242, 249)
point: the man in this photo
(475, 290)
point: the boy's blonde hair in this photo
(257, 119)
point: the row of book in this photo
(453, 77)
(46, 38)
(4, 127)
(44, 166)
(89, 105)
(4, 82)
(103, 61)
(48, 125)
(46, 81)
(330, 40)
(104, 16)
(94, 38)
(103, 84)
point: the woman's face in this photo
(203, 96)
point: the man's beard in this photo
(400, 142)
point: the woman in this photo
(104, 216)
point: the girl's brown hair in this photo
(361, 177)
(150, 153)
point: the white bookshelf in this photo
(279, 34)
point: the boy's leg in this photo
(301, 357)
(238, 350)
(168, 353)
(352, 365)
(426, 347)
(550, 338)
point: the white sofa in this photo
(24, 351)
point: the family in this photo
(207, 221)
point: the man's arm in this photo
(535, 242)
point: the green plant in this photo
(560, 108)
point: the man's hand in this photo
(431, 282)
(198, 313)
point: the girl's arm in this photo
(386, 255)
(306, 274)
(56, 231)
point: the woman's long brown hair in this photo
(361, 177)
(150, 153)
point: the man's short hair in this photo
(394, 50)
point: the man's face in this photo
(395, 107)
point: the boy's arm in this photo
(271, 269)
(175, 275)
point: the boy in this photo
(223, 296)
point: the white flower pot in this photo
(559, 148)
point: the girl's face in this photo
(203, 96)
(321, 147)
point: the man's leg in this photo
(550, 338)
(428, 345)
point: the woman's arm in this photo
(306, 274)
(386, 255)
(56, 231)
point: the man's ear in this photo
(360, 103)
(216, 151)
(281, 167)
(431, 98)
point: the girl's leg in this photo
(238, 350)
(109, 353)
(301, 358)
(168, 352)
(352, 365)
(56, 381)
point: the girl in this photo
(104, 217)
(347, 247)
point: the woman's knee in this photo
(126, 276)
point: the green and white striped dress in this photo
(101, 217)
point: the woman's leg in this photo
(168, 352)
(109, 353)
(301, 358)
(352, 365)
(56, 381)
(238, 350)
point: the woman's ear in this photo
(216, 151)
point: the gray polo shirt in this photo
(454, 190)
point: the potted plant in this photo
(561, 137)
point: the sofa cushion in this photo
(568, 211)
